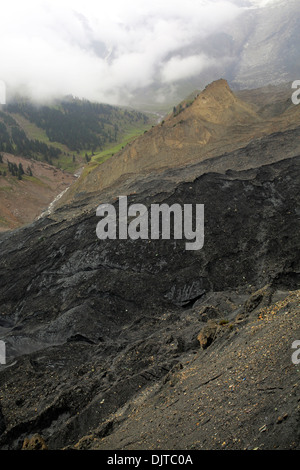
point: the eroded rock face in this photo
(91, 323)
(207, 334)
(35, 442)
(209, 312)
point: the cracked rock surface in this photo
(101, 336)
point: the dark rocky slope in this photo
(242, 392)
(94, 327)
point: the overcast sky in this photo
(104, 50)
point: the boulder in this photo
(207, 334)
(36, 442)
(209, 312)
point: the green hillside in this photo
(69, 133)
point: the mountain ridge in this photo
(214, 123)
(123, 343)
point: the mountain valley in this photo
(141, 344)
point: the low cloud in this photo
(178, 68)
(104, 51)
